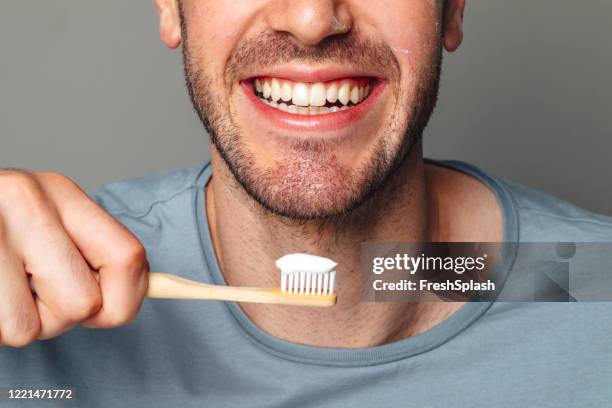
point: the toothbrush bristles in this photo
(325, 282)
(308, 283)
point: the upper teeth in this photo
(313, 94)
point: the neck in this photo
(247, 241)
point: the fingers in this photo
(19, 320)
(109, 248)
(81, 264)
(66, 290)
(123, 282)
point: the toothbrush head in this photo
(304, 274)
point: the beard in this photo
(308, 181)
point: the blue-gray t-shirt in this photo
(209, 354)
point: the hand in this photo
(63, 261)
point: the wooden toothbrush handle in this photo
(167, 286)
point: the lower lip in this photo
(322, 122)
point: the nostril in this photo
(338, 26)
(309, 22)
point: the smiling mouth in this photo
(317, 98)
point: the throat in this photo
(247, 241)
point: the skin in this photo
(417, 203)
(65, 261)
(83, 266)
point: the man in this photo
(316, 110)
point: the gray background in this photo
(87, 89)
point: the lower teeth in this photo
(305, 110)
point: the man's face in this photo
(312, 104)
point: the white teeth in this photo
(310, 99)
(301, 94)
(344, 93)
(318, 95)
(267, 89)
(355, 95)
(286, 92)
(332, 93)
(275, 90)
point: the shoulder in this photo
(137, 196)
(544, 217)
(539, 216)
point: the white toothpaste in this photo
(292, 263)
(309, 274)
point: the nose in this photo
(309, 21)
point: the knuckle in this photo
(55, 179)
(118, 318)
(24, 338)
(84, 306)
(20, 193)
(132, 257)
(21, 333)
(17, 185)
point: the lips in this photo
(326, 104)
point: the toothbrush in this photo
(306, 280)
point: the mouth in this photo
(312, 102)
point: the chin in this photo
(307, 189)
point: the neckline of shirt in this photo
(401, 349)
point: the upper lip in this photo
(308, 74)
